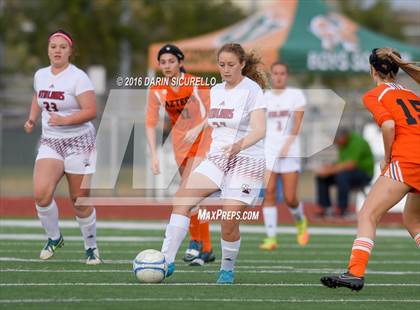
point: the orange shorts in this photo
(408, 173)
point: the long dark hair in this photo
(386, 62)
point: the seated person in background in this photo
(354, 169)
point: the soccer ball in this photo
(150, 266)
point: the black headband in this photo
(382, 65)
(171, 49)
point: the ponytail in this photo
(390, 56)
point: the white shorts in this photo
(283, 165)
(240, 178)
(77, 153)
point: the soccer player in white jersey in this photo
(65, 99)
(235, 163)
(285, 108)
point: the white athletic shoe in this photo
(50, 247)
(197, 262)
(92, 257)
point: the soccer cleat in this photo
(92, 257)
(197, 262)
(205, 257)
(171, 269)
(193, 251)
(302, 236)
(225, 277)
(269, 244)
(50, 247)
(208, 257)
(344, 280)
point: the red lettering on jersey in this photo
(46, 94)
(278, 113)
(221, 113)
(177, 103)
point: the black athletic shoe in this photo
(208, 257)
(344, 280)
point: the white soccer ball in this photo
(150, 266)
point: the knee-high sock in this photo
(297, 212)
(360, 252)
(270, 221)
(195, 228)
(205, 235)
(175, 233)
(230, 251)
(49, 220)
(88, 228)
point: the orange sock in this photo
(360, 252)
(205, 236)
(195, 228)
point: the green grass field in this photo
(287, 278)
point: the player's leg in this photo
(85, 215)
(230, 241)
(47, 174)
(270, 211)
(79, 169)
(240, 189)
(290, 184)
(411, 216)
(385, 193)
(191, 192)
(200, 249)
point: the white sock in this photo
(364, 244)
(175, 233)
(270, 221)
(88, 228)
(49, 220)
(230, 251)
(417, 239)
(297, 212)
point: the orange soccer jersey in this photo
(392, 101)
(187, 107)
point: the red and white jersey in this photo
(230, 115)
(280, 108)
(57, 94)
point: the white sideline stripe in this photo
(377, 253)
(129, 225)
(36, 237)
(217, 300)
(27, 237)
(243, 261)
(247, 270)
(200, 284)
(118, 242)
(244, 252)
(316, 254)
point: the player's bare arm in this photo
(87, 102)
(388, 133)
(33, 115)
(257, 125)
